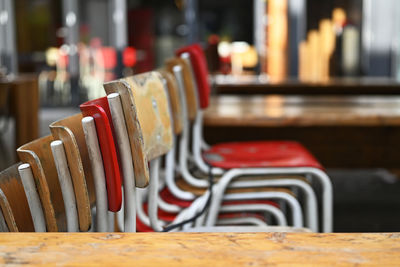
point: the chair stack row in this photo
(135, 160)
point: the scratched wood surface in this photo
(145, 106)
(70, 132)
(276, 111)
(39, 155)
(201, 249)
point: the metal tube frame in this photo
(67, 189)
(126, 162)
(99, 178)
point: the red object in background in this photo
(212, 53)
(262, 154)
(62, 59)
(100, 111)
(129, 57)
(213, 39)
(141, 36)
(199, 64)
(225, 65)
(106, 57)
(95, 42)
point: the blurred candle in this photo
(277, 38)
(314, 55)
(327, 43)
(304, 72)
(350, 50)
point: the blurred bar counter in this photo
(341, 131)
(251, 84)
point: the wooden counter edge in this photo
(194, 249)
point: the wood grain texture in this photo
(201, 249)
(38, 154)
(302, 111)
(145, 106)
(189, 83)
(70, 132)
(174, 100)
(13, 202)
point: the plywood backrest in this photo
(145, 107)
(174, 100)
(40, 157)
(70, 132)
(100, 111)
(200, 69)
(13, 202)
(188, 81)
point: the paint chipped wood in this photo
(145, 106)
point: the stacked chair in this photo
(260, 158)
(137, 157)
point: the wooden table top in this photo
(278, 110)
(195, 249)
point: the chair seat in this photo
(169, 217)
(262, 154)
(168, 197)
(141, 227)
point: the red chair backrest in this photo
(200, 69)
(100, 111)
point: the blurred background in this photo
(74, 46)
(56, 54)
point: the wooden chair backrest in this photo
(13, 202)
(174, 100)
(145, 107)
(70, 132)
(40, 157)
(189, 84)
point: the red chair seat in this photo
(260, 155)
(169, 217)
(168, 197)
